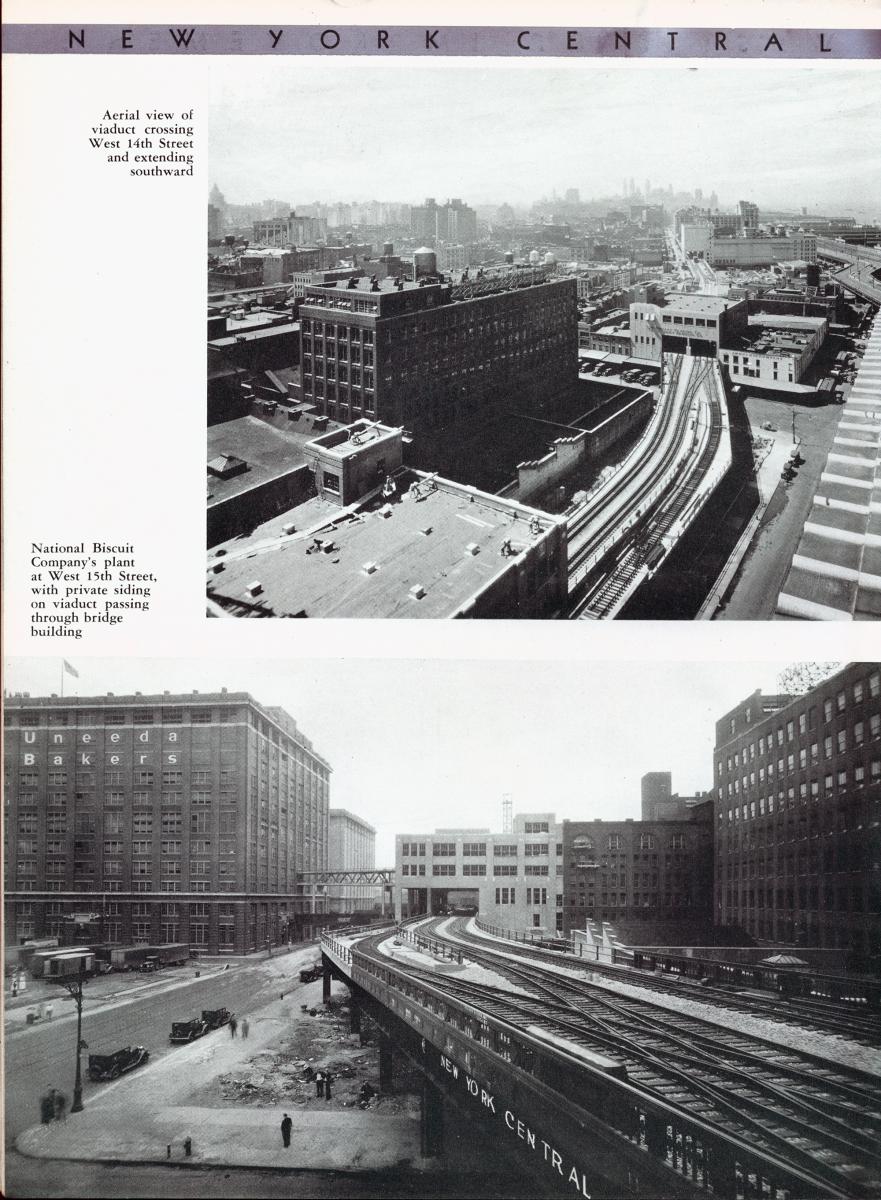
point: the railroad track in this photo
(819, 1015)
(617, 577)
(639, 465)
(819, 1118)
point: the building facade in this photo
(686, 322)
(661, 870)
(798, 807)
(173, 817)
(512, 880)
(436, 359)
(351, 847)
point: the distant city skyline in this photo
(493, 135)
(419, 744)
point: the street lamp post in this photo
(75, 989)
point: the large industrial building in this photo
(798, 806)
(655, 870)
(161, 818)
(444, 361)
(548, 877)
(351, 847)
(379, 540)
(513, 880)
(686, 322)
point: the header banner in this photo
(459, 41)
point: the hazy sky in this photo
(303, 131)
(420, 744)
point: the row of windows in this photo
(838, 742)
(839, 782)
(138, 716)
(647, 841)
(142, 823)
(832, 705)
(475, 849)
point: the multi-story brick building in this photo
(171, 817)
(513, 880)
(798, 807)
(652, 869)
(444, 361)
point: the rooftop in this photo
(255, 318)
(444, 539)
(278, 716)
(241, 333)
(697, 302)
(270, 448)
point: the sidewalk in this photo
(234, 1137)
(137, 1117)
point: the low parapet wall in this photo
(536, 476)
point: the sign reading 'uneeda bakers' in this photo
(460, 41)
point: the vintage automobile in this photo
(311, 973)
(215, 1017)
(111, 1066)
(188, 1031)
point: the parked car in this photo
(311, 973)
(111, 1066)
(188, 1031)
(215, 1017)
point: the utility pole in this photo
(75, 990)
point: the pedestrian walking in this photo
(47, 1108)
(286, 1126)
(245, 1027)
(328, 1080)
(60, 1106)
(233, 1026)
(319, 1084)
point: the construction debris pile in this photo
(318, 1041)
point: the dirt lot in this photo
(282, 1073)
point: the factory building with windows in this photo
(161, 818)
(797, 815)
(513, 880)
(443, 361)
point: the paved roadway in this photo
(40, 1177)
(42, 1056)
(760, 577)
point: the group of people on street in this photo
(323, 1089)
(323, 1081)
(234, 1025)
(53, 1106)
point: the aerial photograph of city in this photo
(543, 342)
(268, 938)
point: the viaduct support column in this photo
(386, 1063)
(431, 1120)
(354, 1016)
(325, 986)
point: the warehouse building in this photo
(171, 817)
(798, 807)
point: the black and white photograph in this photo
(528, 341)
(301, 945)
(562, 315)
